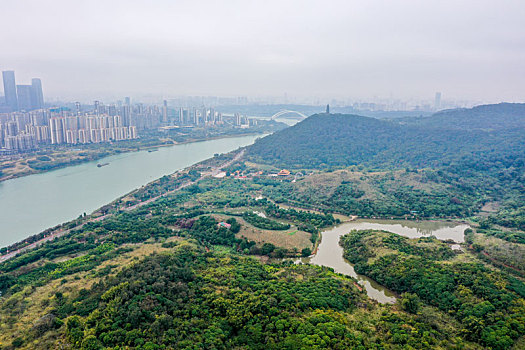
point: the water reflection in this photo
(415, 229)
(330, 253)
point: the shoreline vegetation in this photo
(233, 161)
(58, 157)
(426, 269)
(102, 213)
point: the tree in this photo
(280, 253)
(410, 302)
(267, 249)
(235, 226)
(91, 343)
(74, 330)
(305, 252)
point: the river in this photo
(31, 204)
(330, 253)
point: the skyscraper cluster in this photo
(89, 129)
(21, 97)
(23, 131)
(26, 125)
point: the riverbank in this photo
(62, 159)
(99, 215)
(34, 203)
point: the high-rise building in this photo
(212, 116)
(37, 96)
(204, 116)
(437, 101)
(97, 107)
(181, 115)
(165, 112)
(195, 117)
(11, 99)
(24, 93)
(238, 120)
(56, 130)
(12, 128)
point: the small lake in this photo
(31, 204)
(330, 253)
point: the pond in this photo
(330, 253)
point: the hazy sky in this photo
(353, 49)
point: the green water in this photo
(29, 205)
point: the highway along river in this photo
(330, 253)
(31, 204)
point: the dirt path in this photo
(495, 261)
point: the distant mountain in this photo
(338, 140)
(485, 117)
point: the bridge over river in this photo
(288, 112)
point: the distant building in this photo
(195, 117)
(24, 93)
(165, 112)
(437, 101)
(327, 109)
(284, 172)
(11, 99)
(37, 96)
(238, 120)
(220, 175)
(181, 115)
(224, 224)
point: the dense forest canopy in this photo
(489, 304)
(485, 117)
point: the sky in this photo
(86, 50)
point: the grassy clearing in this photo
(260, 166)
(289, 239)
(501, 251)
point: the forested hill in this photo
(486, 117)
(338, 140)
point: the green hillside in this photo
(337, 140)
(485, 117)
(467, 157)
(167, 276)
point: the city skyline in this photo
(30, 97)
(340, 49)
(21, 97)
